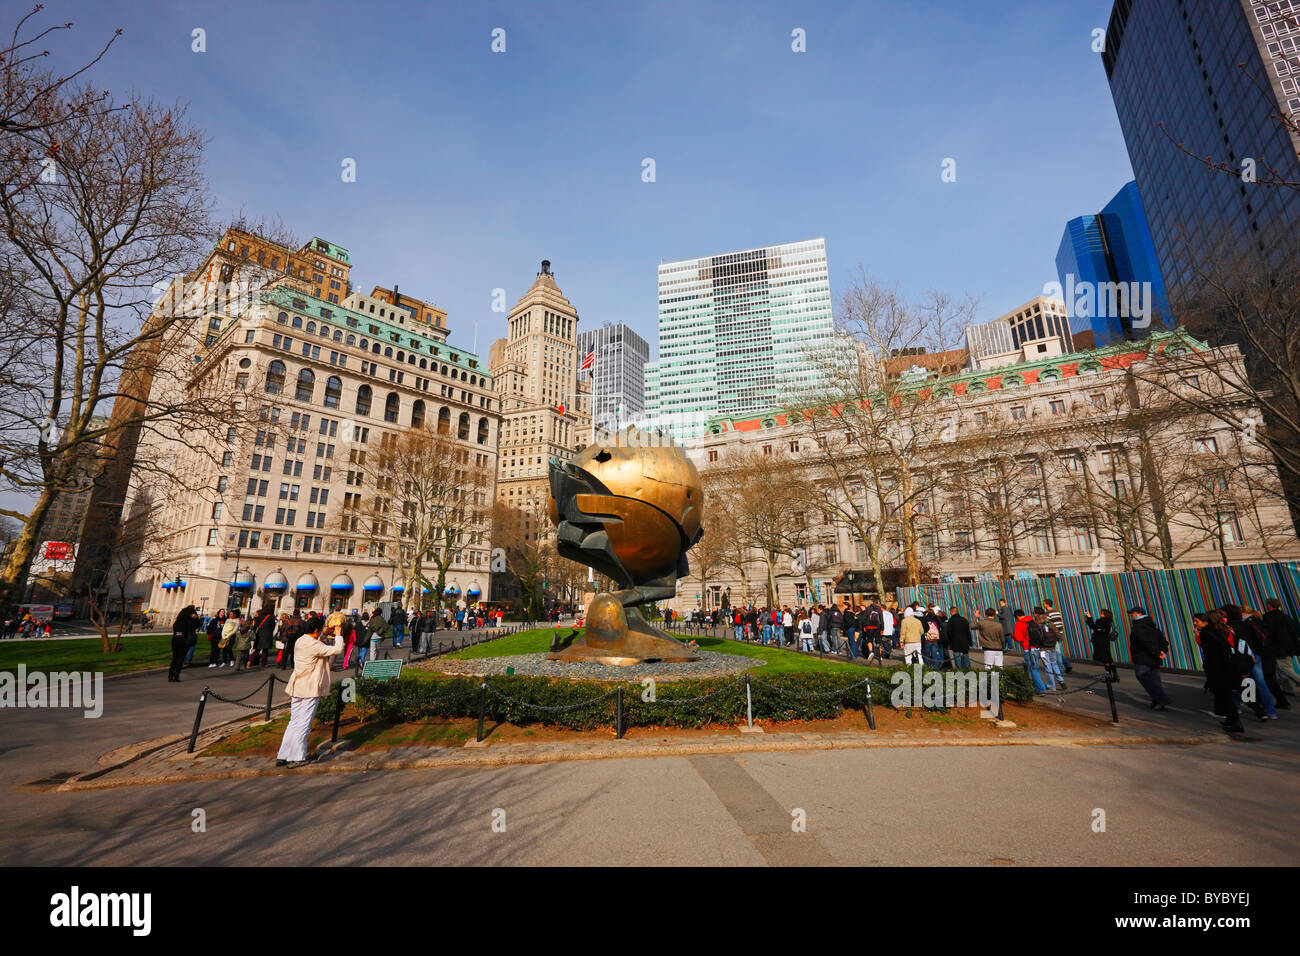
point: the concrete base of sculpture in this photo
(620, 636)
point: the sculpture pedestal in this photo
(620, 636)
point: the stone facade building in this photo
(323, 382)
(1076, 463)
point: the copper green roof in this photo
(318, 310)
(338, 252)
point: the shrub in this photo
(583, 705)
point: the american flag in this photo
(586, 363)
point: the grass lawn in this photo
(139, 652)
(778, 659)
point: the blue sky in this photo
(473, 166)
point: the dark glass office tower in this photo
(1112, 248)
(1212, 75)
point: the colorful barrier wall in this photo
(1170, 597)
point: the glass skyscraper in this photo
(738, 333)
(1208, 78)
(1113, 246)
(617, 373)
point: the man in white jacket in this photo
(309, 683)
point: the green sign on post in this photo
(382, 670)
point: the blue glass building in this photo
(1109, 249)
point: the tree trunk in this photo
(14, 577)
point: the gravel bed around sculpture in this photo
(710, 664)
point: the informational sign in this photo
(382, 670)
(59, 550)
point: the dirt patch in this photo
(369, 736)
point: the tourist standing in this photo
(991, 638)
(1103, 635)
(1032, 656)
(805, 632)
(1148, 646)
(263, 629)
(833, 627)
(215, 625)
(958, 638)
(1058, 623)
(889, 618)
(1282, 640)
(229, 632)
(308, 684)
(184, 629)
(911, 634)
(1048, 640)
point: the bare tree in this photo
(429, 503)
(124, 207)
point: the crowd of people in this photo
(263, 640)
(25, 624)
(1241, 648)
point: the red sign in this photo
(57, 550)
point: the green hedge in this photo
(583, 705)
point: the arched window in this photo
(338, 335)
(324, 331)
(282, 318)
(275, 378)
(410, 359)
(311, 327)
(464, 377)
(352, 340)
(306, 385)
(417, 414)
(388, 352)
(444, 370)
(482, 431)
(365, 346)
(297, 321)
(401, 356)
(462, 426)
(424, 363)
(444, 421)
(363, 400)
(375, 348)
(333, 392)
(473, 379)
(392, 406)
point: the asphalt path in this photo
(1221, 803)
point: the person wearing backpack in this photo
(833, 627)
(1048, 638)
(872, 620)
(932, 638)
(805, 629)
(1223, 669)
(1148, 646)
(1026, 634)
(1057, 620)
(1251, 630)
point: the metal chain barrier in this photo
(240, 700)
(795, 693)
(551, 709)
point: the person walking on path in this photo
(992, 641)
(308, 684)
(1103, 635)
(1251, 630)
(1223, 674)
(184, 629)
(1148, 646)
(1282, 640)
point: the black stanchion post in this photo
(270, 693)
(338, 714)
(482, 708)
(1110, 692)
(618, 712)
(198, 718)
(871, 711)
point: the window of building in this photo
(1057, 406)
(363, 400)
(275, 378)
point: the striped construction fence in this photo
(1170, 597)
